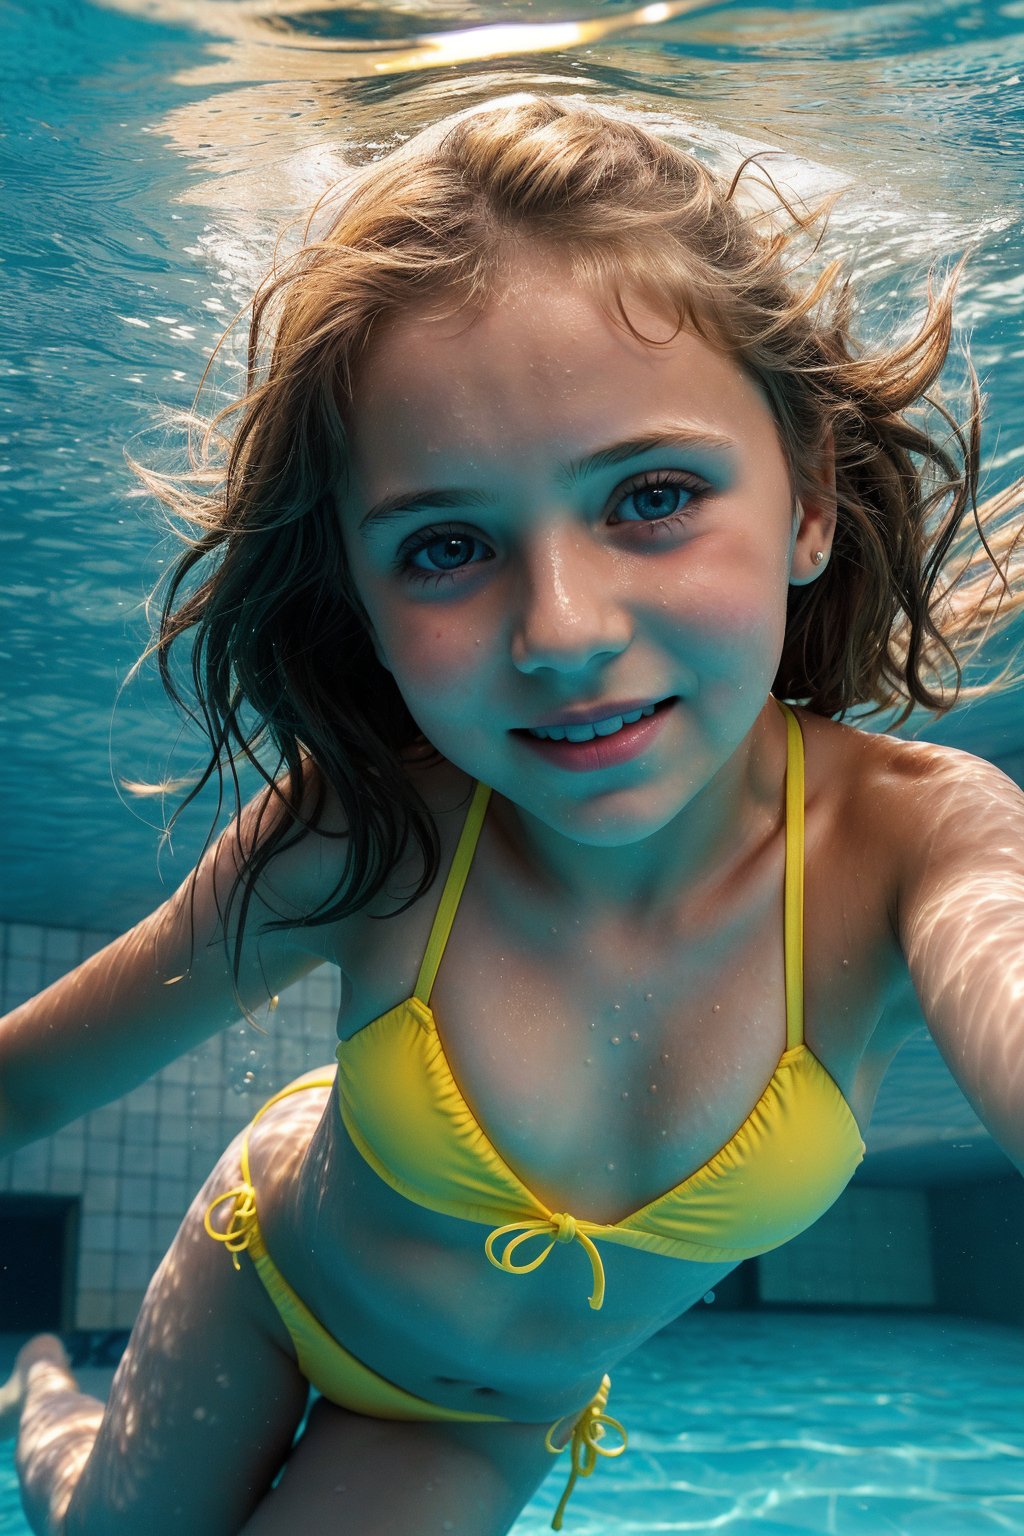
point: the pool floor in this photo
(784, 1423)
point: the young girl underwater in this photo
(561, 519)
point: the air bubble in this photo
(634, 1034)
(709, 1298)
(616, 1040)
(625, 1093)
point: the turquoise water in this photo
(154, 147)
(785, 1424)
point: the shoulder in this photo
(898, 785)
(311, 836)
(930, 813)
(961, 824)
(899, 811)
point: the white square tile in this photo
(125, 1307)
(24, 940)
(136, 1195)
(98, 1232)
(101, 1192)
(172, 1131)
(95, 1271)
(102, 1156)
(61, 945)
(139, 1130)
(133, 1233)
(94, 1309)
(133, 1270)
(23, 979)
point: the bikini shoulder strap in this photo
(794, 903)
(452, 893)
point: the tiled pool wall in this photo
(124, 1176)
(134, 1166)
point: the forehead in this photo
(545, 362)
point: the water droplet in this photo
(616, 1007)
(846, 965)
(610, 1167)
(199, 1413)
(593, 1023)
(250, 1077)
(664, 1055)
(648, 996)
(625, 1093)
(653, 1088)
(616, 1040)
(634, 1034)
(709, 1298)
(715, 1008)
(587, 1062)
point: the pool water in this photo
(782, 1423)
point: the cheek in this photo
(432, 657)
(732, 607)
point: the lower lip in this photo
(602, 751)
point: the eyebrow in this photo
(685, 438)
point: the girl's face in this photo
(549, 521)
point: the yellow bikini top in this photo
(787, 1163)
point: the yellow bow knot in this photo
(589, 1431)
(238, 1233)
(560, 1228)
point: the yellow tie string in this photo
(242, 1225)
(585, 1443)
(563, 1229)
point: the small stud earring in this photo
(818, 556)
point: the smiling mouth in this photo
(611, 725)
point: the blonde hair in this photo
(278, 629)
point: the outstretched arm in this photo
(138, 1003)
(961, 922)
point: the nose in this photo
(571, 611)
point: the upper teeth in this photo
(594, 728)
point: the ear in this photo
(814, 522)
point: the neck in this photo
(736, 805)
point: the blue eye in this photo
(668, 496)
(446, 547)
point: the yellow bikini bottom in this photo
(346, 1381)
